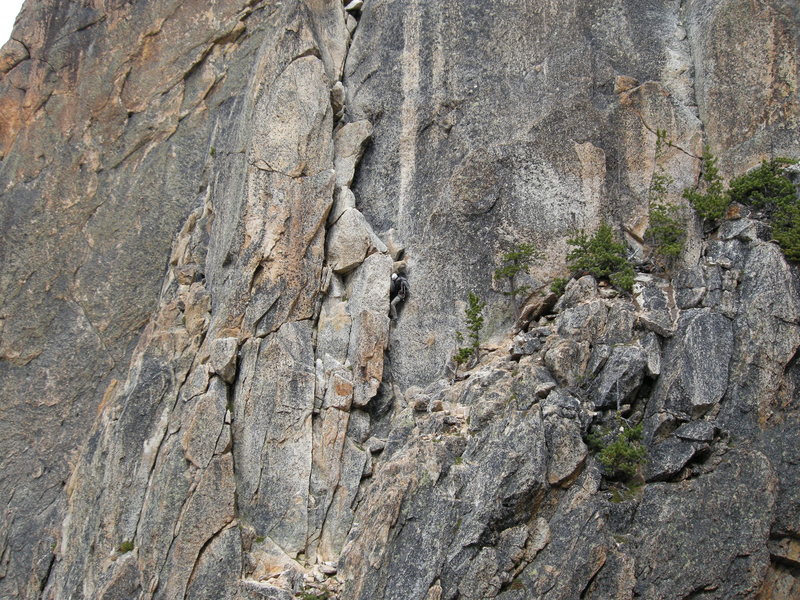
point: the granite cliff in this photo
(202, 395)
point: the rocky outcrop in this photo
(462, 491)
(548, 127)
(108, 137)
(202, 393)
(195, 118)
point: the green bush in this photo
(713, 202)
(622, 457)
(126, 546)
(595, 440)
(786, 231)
(321, 595)
(768, 188)
(666, 232)
(473, 313)
(602, 257)
(514, 263)
(464, 353)
(620, 452)
(559, 285)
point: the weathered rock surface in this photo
(689, 515)
(202, 394)
(592, 547)
(351, 240)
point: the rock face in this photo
(201, 393)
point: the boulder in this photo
(525, 344)
(745, 230)
(12, 53)
(698, 361)
(690, 287)
(666, 459)
(562, 429)
(223, 358)
(344, 199)
(349, 144)
(620, 378)
(350, 240)
(338, 99)
(274, 400)
(369, 332)
(583, 322)
(567, 361)
(696, 431)
(577, 291)
(655, 307)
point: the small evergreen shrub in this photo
(321, 595)
(515, 262)
(622, 457)
(602, 257)
(786, 231)
(125, 547)
(464, 353)
(559, 285)
(620, 452)
(769, 189)
(713, 202)
(619, 449)
(666, 232)
(595, 441)
(474, 315)
(766, 187)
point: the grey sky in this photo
(8, 12)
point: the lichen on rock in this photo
(202, 394)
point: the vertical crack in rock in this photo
(261, 443)
(198, 566)
(272, 423)
(686, 31)
(410, 64)
(350, 341)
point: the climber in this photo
(397, 293)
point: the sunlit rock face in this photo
(203, 395)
